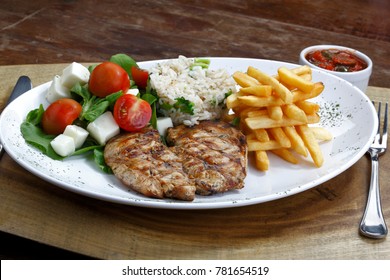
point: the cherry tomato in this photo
(59, 114)
(140, 76)
(132, 113)
(107, 78)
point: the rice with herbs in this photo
(189, 93)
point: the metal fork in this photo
(373, 224)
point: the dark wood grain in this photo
(36, 32)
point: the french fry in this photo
(257, 113)
(306, 76)
(257, 90)
(275, 112)
(294, 112)
(267, 122)
(286, 155)
(321, 134)
(281, 137)
(283, 92)
(296, 141)
(255, 145)
(261, 160)
(308, 107)
(261, 157)
(250, 136)
(299, 95)
(244, 80)
(261, 135)
(256, 101)
(311, 144)
(232, 101)
(302, 70)
(290, 78)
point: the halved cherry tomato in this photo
(140, 76)
(132, 113)
(59, 114)
(107, 78)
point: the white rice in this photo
(205, 88)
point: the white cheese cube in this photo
(103, 128)
(74, 73)
(78, 134)
(133, 91)
(57, 90)
(63, 145)
(163, 124)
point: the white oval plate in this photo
(345, 110)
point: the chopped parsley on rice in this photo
(189, 91)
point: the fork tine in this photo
(378, 132)
(384, 136)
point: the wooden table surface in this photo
(36, 37)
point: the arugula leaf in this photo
(184, 105)
(89, 145)
(112, 98)
(93, 106)
(150, 98)
(81, 91)
(150, 95)
(153, 119)
(35, 136)
(125, 61)
(98, 155)
(91, 67)
(35, 116)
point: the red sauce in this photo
(336, 60)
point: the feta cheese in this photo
(103, 128)
(57, 90)
(163, 124)
(78, 134)
(74, 73)
(133, 91)
(63, 145)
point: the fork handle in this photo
(372, 224)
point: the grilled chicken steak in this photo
(143, 163)
(213, 153)
(205, 159)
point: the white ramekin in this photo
(359, 78)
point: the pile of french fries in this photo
(274, 113)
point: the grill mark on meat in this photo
(143, 163)
(205, 159)
(213, 153)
